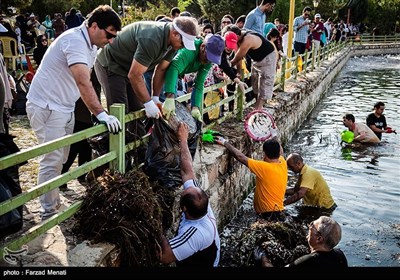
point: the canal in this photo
(365, 180)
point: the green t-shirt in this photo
(185, 62)
(144, 41)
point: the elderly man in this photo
(311, 185)
(323, 235)
(362, 133)
(197, 243)
(63, 77)
(207, 51)
(139, 47)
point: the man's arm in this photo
(81, 74)
(235, 152)
(187, 172)
(135, 76)
(297, 195)
(167, 255)
(159, 77)
(243, 49)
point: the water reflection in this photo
(364, 179)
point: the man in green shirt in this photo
(311, 186)
(207, 51)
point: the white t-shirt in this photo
(195, 235)
(53, 84)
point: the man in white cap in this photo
(140, 47)
(206, 52)
(317, 31)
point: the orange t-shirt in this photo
(271, 182)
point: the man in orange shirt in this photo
(271, 178)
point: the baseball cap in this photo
(231, 40)
(215, 45)
(187, 39)
(317, 16)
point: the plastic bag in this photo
(9, 187)
(162, 162)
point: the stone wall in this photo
(227, 181)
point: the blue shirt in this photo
(301, 34)
(255, 20)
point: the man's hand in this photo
(196, 114)
(156, 100)
(113, 124)
(182, 132)
(168, 108)
(274, 132)
(220, 140)
(242, 86)
(152, 110)
(390, 130)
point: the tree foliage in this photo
(383, 14)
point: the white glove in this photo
(196, 114)
(168, 108)
(220, 140)
(274, 132)
(112, 122)
(156, 100)
(152, 110)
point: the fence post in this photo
(296, 64)
(240, 99)
(305, 61)
(313, 59)
(283, 73)
(117, 141)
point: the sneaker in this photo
(45, 215)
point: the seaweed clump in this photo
(128, 211)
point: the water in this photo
(364, 181)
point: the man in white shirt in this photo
(197, 243)
(63, 77)
(362, 133)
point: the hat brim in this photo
(189, 44)
(213, 58)
(231, 45)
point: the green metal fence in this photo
(289, 70)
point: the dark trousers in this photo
(81, 149)
(299, 47)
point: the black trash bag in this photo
(162, 162)
(11, 221)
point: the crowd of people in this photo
(141, 66)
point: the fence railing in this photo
(289, 70)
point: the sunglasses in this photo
(226, 22)
(109, 35)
